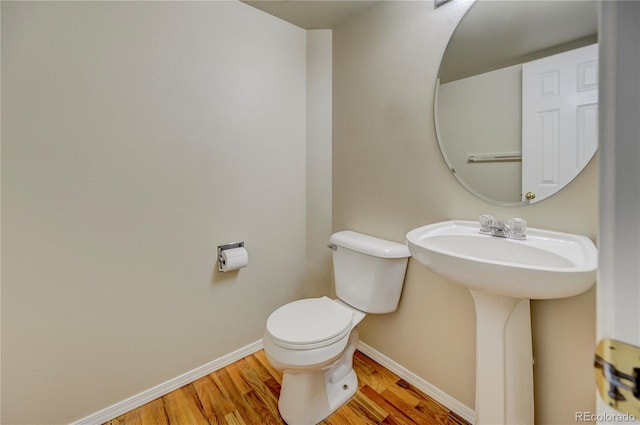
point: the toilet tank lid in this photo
(370, 245)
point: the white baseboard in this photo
(151, 394)
(432, 391)
(160, 390)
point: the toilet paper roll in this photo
(233, 259)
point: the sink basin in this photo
(502, 275)
(544, 266)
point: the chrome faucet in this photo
(516, 229)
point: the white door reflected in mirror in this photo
(559, 119)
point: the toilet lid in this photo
(309, 323)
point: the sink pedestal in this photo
(503, 275)
(504, 366)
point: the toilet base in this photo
(311, 401)
(308, 397)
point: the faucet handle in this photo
(486, 220)
(518, 227)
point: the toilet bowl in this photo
(312, 341)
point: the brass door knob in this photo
(529, 196)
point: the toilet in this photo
(312, 341)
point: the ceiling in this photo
(494, 34)
(497, 34)
(312, 14)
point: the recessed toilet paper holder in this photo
(224, 247)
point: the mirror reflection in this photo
(516, 99)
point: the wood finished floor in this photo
(246, 393)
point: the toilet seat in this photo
(309, 323)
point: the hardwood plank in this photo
(346, 416)
(214, 402)
(234, 418)
(363, 406)
(438, 413)
(400, 393)
(246, 393)
(394, 413)
(183, 407)
(426, 404)
(250, 415)
(242, 408)
(237, 378)
(265, 412)
(153, 413)
(413, 409)
(262, 358)
(274, 387)
(217, 418)
(410, 389)
(367, 375)
(383, 374)
(262, 372)
(225, 384)
(259, 390)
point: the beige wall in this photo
(136, 137)
(389, 177)
(318, 229)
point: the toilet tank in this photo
(368, 271)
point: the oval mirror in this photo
(516, 102)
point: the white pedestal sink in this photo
(502, 276)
